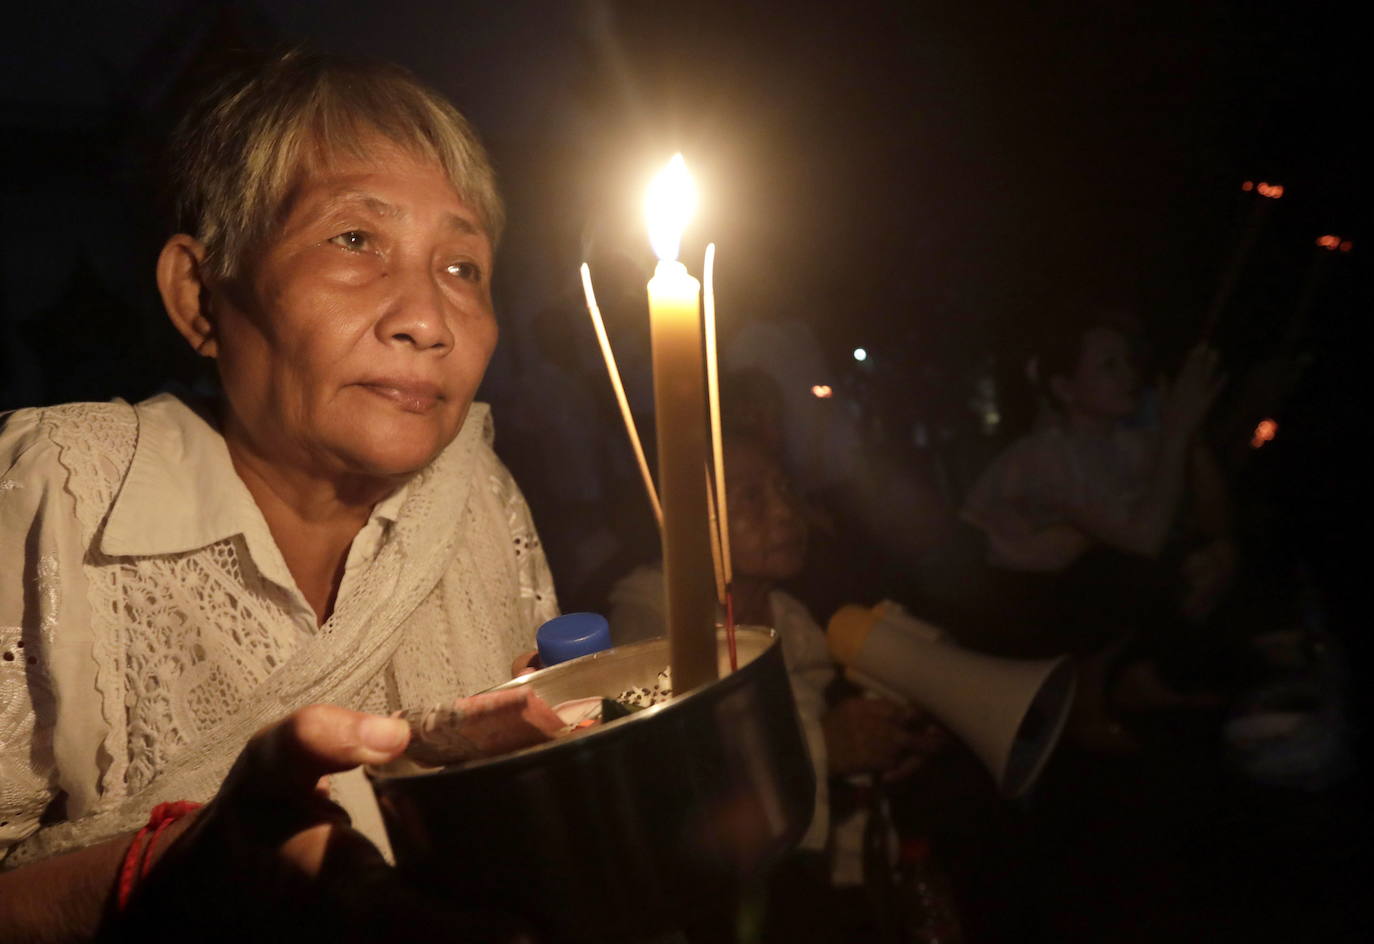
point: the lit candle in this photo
(683, 453)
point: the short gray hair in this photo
(238, 151)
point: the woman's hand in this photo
(864, 735)
(276, 796)
(1187, 400)
(271, 845)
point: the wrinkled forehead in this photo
(352, 142)
(366, 151)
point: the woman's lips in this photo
(410, 395)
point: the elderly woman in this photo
(332, 531)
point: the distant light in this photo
(1248, 186)
(1264, 432)
(822, 391)
(1329, 242)
(860, 354)
(1347, 245)
(1272, 191)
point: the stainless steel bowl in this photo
(631, 828)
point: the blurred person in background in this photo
(1105, 532)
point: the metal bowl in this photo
(631, 828)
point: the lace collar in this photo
(182, 493)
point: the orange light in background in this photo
(822, 391)
(1248, 186)
(1264, 432)
(1272, 191)
(1329, 242)
(1346, 245)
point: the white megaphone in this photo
(1010, 712)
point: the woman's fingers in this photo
(274, 807)
(292, 755)
(524, 663)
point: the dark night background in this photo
(934, 181)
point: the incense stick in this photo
(620, 397)
(713, 399)
(715, 540)
(722, 589)
(720, 547)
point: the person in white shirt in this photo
(328, 540)
(1106, 540)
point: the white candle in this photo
(683, 453)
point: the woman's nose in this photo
(417, 314)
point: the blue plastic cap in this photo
(572, 635)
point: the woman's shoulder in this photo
(47, 437)
(793, 613)
(641, 586)
(75, 454)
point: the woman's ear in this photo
(185, 294)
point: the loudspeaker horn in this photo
(1010, 712)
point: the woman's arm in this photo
(1210, 569)
(1143, 528)
(266, 840)
(61, 899)
(1043, 550)
(44, 620)
(1212, 500)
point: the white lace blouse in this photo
(149, 625)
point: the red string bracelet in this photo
(137, 862)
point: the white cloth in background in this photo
(638, 612)
(149, 625)
(1034, 481)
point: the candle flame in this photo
(669, 204)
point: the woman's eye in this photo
(353, 240)
(466, 270)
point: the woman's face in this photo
(1105, 381)
(356, 340)
(767, 531)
